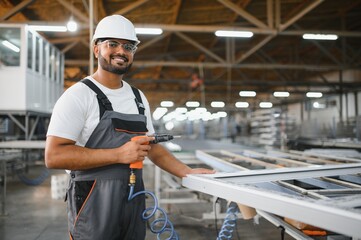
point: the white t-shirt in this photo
(76, 113)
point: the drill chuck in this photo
(162, 138)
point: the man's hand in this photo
(135, 150)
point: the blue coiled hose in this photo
(36, 181)
(229, 223)
(166, 227)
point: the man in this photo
(90, 134)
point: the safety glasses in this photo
(115, 46)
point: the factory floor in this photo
(33, 215)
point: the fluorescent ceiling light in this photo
(242, 104)
(265, 104)
(167, 104)
(11, 46)
(319, 36)
(149, 31)
(192, 104)
(242, 34)
(314, 94)
(48, 28)
(281, 94)
(247, 93)
(217, 104)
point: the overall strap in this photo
(103, 101)
(138, 100)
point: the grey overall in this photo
(98, 206)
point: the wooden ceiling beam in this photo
(151, 42)
(130, 7)
(18, 8)
(300, 14)
(249, 17)
(282, 27)
(78, 14)
(200, 47)
(69, 46)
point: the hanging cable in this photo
(229, 222)
(166, 225)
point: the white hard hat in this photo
(115, 26)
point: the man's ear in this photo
(95, 50)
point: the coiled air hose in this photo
(229, 222)
(166, 224)
(33, 181)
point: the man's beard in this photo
(107, 66)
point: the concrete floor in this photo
(33, 215)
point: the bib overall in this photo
(98, 206)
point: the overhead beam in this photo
(130, 7)
(300, 14)
(16, 9)
(69, 46)
(281, 28)
(78, 14)
(260, 44)
(140, 63)
(213, 28)
(240, 11)
(200, 47)
(151, 42)
(66, 40)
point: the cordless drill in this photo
(139, 165)
(157, 139)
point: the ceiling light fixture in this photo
(192, 104)
(314, 94)
(281, 94)
(72, 26)
(166, 104)
(217, 104)
(48, 28)
(11, 46)
(241, 104)
(247, 93)
(149, 31)
(311, 36)
(241, 34)
(265, 104)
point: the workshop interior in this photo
(265, 92)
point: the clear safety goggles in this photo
(115, 46)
